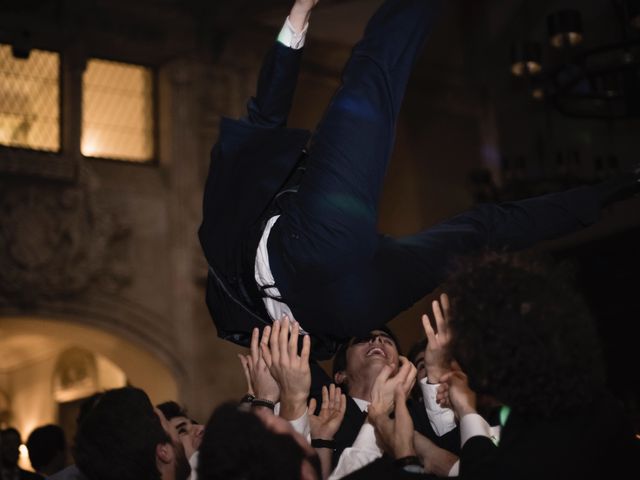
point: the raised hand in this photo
(261, 382)
(436, 356)
(458, 394)
(334, 404)
(279, 348)
(396, 435)
(382, 393)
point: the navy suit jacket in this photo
(252, 160)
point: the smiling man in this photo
(356, 366)
(359, 362)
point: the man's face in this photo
(181, 463)
(366, 356)
(189, 433)
(418, 361)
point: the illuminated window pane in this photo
(30, 100)
(117, 111)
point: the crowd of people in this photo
(508, 383)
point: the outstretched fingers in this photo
(293, 340)
(313, 404)
(306, 349)
(244, 361)
(255, 351)
(264, 346)
(441, 314)
(325, 399)
(428, 329)
(274, 345)
(283, 341)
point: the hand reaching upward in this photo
(260, 381)
(436, 355)
(279, 347)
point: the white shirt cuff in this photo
(455, 469)
(290, 37)
(442, 420)
(301, 425)
(473, 425)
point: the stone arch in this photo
(31, 347)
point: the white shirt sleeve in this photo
(193, 463)
(442, 420)
(290, 37)
(301, 425)
(455, 469)
(473, 425)
(363, 451)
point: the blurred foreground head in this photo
(123, 438)
(523, 334)
(254, 446)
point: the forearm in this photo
(436, 460)
(278, 75)
(299, 16)
(326, 456)
(292, 407)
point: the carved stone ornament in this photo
(55, 242)
(75, 375)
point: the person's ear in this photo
(340, 378)
(165, 453)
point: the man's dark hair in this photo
(11, 431)
(117, 439)
(9, 456)
(237, 446)
(523, 334)
(87, 405)
(340, 359)
(44, 443)
(172, 409)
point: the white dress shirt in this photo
(364, 450)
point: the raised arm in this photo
(279, 73)
(437, 363)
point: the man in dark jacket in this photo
(292, 231)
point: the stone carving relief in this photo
(75, 375)
(55, 241)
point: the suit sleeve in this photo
(477, 458)
(271, 104)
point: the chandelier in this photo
(601, 81)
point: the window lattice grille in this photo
(30, 100)
(117, 111)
